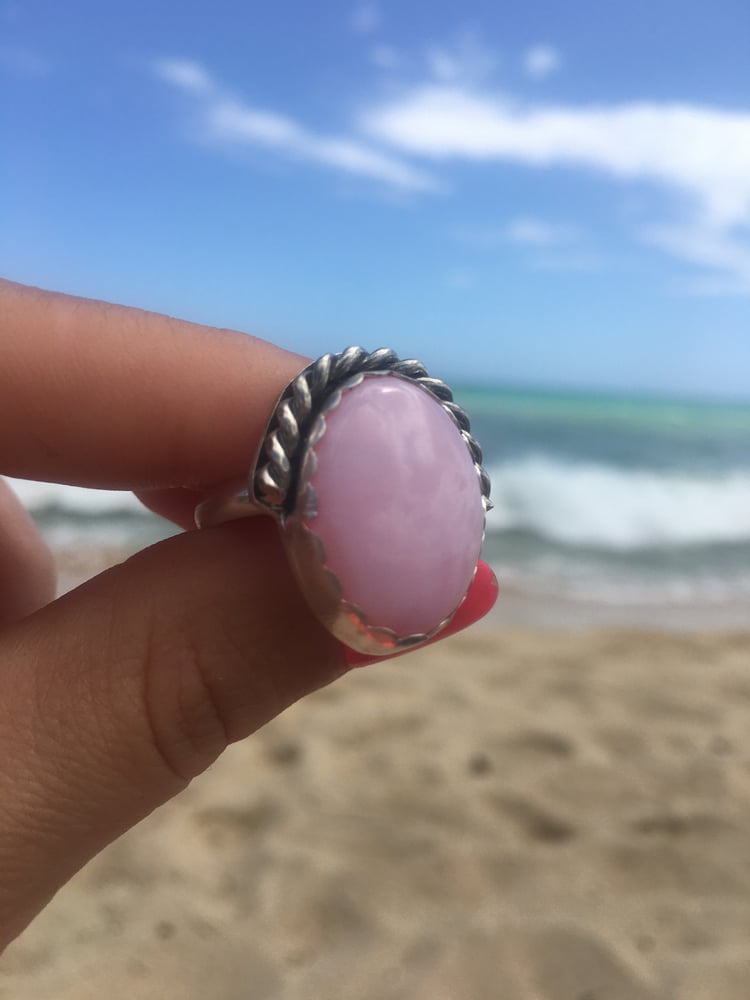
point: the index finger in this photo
(101, 395)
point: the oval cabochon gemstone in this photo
(399, 505)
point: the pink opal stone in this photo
(399, 504)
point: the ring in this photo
(372, 474)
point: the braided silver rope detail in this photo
(274, 480)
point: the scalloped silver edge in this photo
(347, 621)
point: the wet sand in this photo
(512, 815)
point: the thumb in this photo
(113, 697)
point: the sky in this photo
(546, 193)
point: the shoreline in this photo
(515, 609)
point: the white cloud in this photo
(546, 246)
(227, 121)
(466, 61)
(233, 122)
(230, 120)
(185, 74)
(525, 230)
(540, 61)
(723, 256)
(700, 154)
(701, 151)
(528, 231)
(365, 18)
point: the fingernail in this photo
(479, 600)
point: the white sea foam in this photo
(573, 503)
(616, 508)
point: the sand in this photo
(506, 815)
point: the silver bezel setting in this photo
(280, 483)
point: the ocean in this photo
(616, 500)
(599, 499)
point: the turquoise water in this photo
(615, 499)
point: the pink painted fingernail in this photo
(479, 600)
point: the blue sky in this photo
(547, 193)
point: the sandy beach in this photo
(511, 814)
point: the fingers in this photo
(101, 395)
(177, 505)
(113, 697)
(27, 572)
(478, 602)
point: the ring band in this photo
(372, 474)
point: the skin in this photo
(114, 696)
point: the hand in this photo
(113, 697)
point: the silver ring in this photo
(372, 474)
